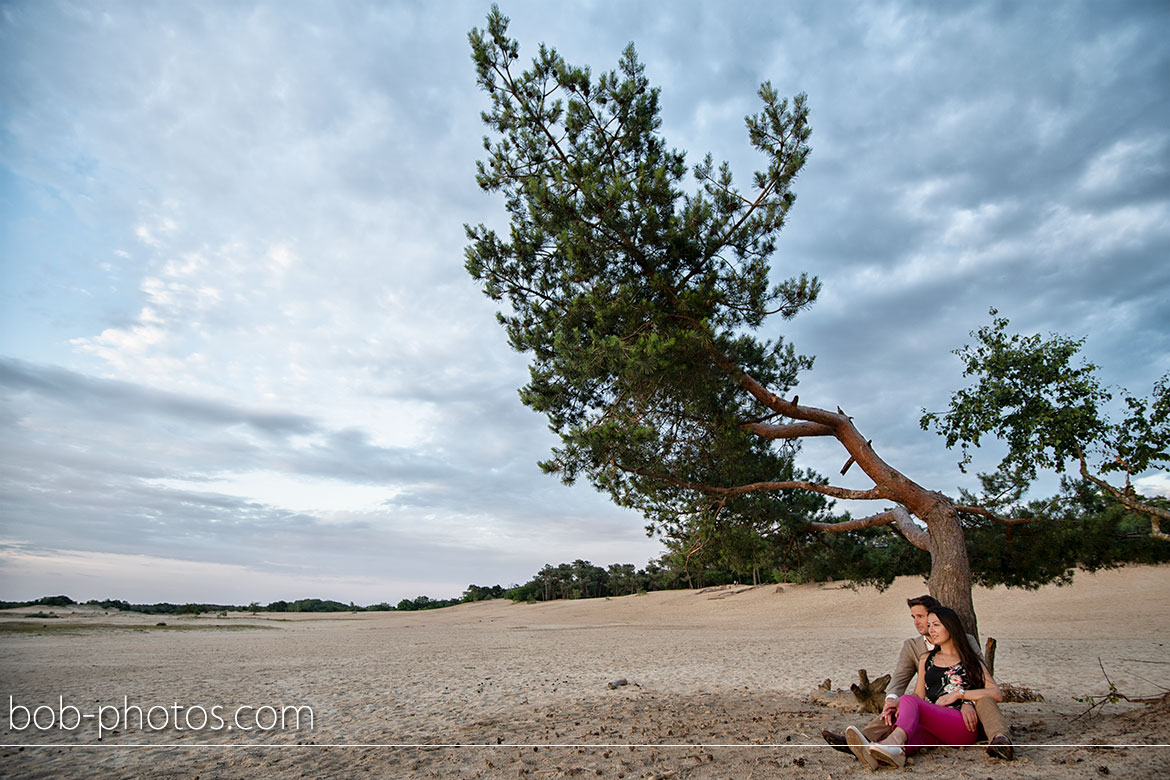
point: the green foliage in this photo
(582, 579)
(745, 536)
(425, 602)
(318, 605)
(482, 593)
(730, 548)
(43, 601)
(1113, 697)
(626, 289)
(871, 556)
(623, 579)
(1142, 439)
(1081, 528)
(1048, 407)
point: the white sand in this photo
(736, 670)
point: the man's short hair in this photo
(930, 602)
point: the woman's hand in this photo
(947, 699)
(970, 717)
(890, 712)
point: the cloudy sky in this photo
(240, 358)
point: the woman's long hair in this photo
(967, 655)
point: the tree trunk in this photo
(950, 570)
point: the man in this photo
(990, 718)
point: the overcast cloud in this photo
(239, 355)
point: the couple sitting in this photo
(954, 695)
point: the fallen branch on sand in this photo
(1114, 696)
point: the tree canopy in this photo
(621, 284)
(1048, 405)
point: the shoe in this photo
(859, 746)
(893, 755)
(836, 741)
(1000, 747)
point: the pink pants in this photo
(930, 724)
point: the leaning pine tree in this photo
(637, 301)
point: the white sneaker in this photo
(860, 747)
(893, 755)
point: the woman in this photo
(941, 711)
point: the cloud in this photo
(1154, 485)
(234, 308)
(106, 399)
(115, 466)
(1126, 166)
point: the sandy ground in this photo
(721, 685)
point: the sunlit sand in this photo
(719, 684)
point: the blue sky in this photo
(240, 358)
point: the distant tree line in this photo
(474, 593)
(582, 580)
(166, 608)
(1082, 527)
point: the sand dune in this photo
(719, 685)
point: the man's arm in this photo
(904, 670)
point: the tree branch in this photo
(898, 516)
(873, 494)
(751, 209)
(895, 486)
(789, 431)
(982, 512)
(1156, 514)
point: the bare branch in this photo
(898, 516)
(856, 524)
(1156, 514)
(777, 404)
(895, 486)
(789, 431)
(853, 460)
(873, 494)
(982, 512)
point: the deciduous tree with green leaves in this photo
(1048, 405)
(639, 300)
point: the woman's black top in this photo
(941, 680)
